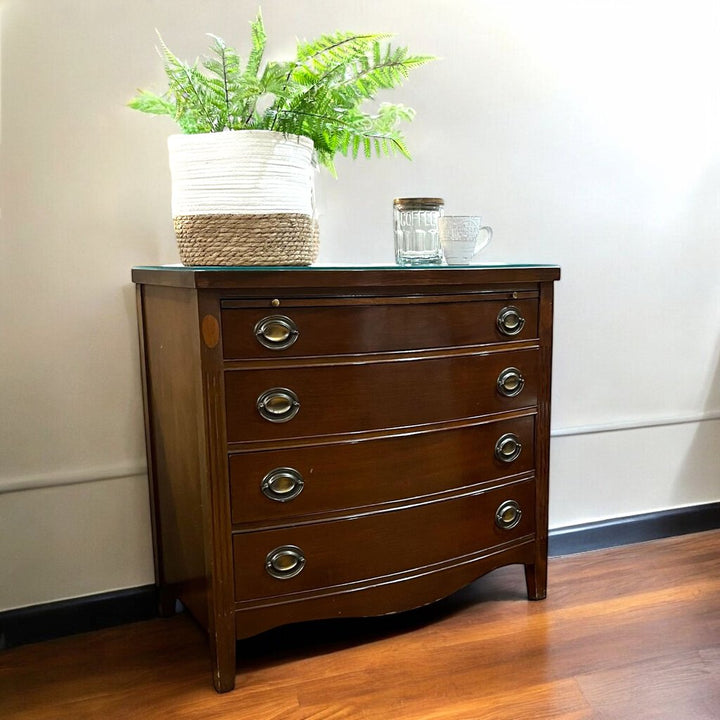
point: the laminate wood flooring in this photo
(630, 632)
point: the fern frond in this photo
(352, 131)
(251, 86)
(225, 68)
(390, 114)
(335, 47)
(351, 83)
(189, 87)
(384, 71)
(323, 63)
(149, 102)
(258, 39)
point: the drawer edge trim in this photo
(236, 447)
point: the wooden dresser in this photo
(327, 442)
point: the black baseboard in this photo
(68, 617)
(634, 529)
(83, 614)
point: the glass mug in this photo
(417, 239)
(462, 237)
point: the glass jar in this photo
(417, 239)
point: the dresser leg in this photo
(222, 653)
(536, 580)
(166, 602)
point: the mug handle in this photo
(481, 245)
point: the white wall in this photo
(585, 132)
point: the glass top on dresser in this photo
(339, 276)
(380, 266)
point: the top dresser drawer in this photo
(362, 326)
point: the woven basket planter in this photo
(244, 197)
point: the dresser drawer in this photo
(275, 486)
(385, 327)
(353, 397)
(371, 546)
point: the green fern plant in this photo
(319, 94)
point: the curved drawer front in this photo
(272, 486)
(332, 399)
(333, 330)
(322, 555)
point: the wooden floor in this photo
(631, 632)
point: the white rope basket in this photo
(244, 197)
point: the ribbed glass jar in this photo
(417, 239)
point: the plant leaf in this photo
(149, 102)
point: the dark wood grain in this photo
(174, 424)
(386, 327)
(357, 473)
(216, 501)
(378, 544)
(346, 397)
(382, 596)
(536, 573)
(396, 372)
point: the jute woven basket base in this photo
(274, 239)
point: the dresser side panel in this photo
(176, 433)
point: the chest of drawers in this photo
(328, 442)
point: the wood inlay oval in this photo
(210, 331)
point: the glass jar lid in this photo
(418, 203)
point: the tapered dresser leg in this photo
(222, 652)
(536, 580)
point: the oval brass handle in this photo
(508, 448)
(508, 515)
(510, 382)
(278, 405)
(285, 562)
(510, 321)
(282, 484)
(276, 332)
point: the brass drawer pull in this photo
(276, 332)
(510, 321)
(508, 448)
(282, 484)
(278, 405)
(508, 515)
(285, 562)
(510, 382)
